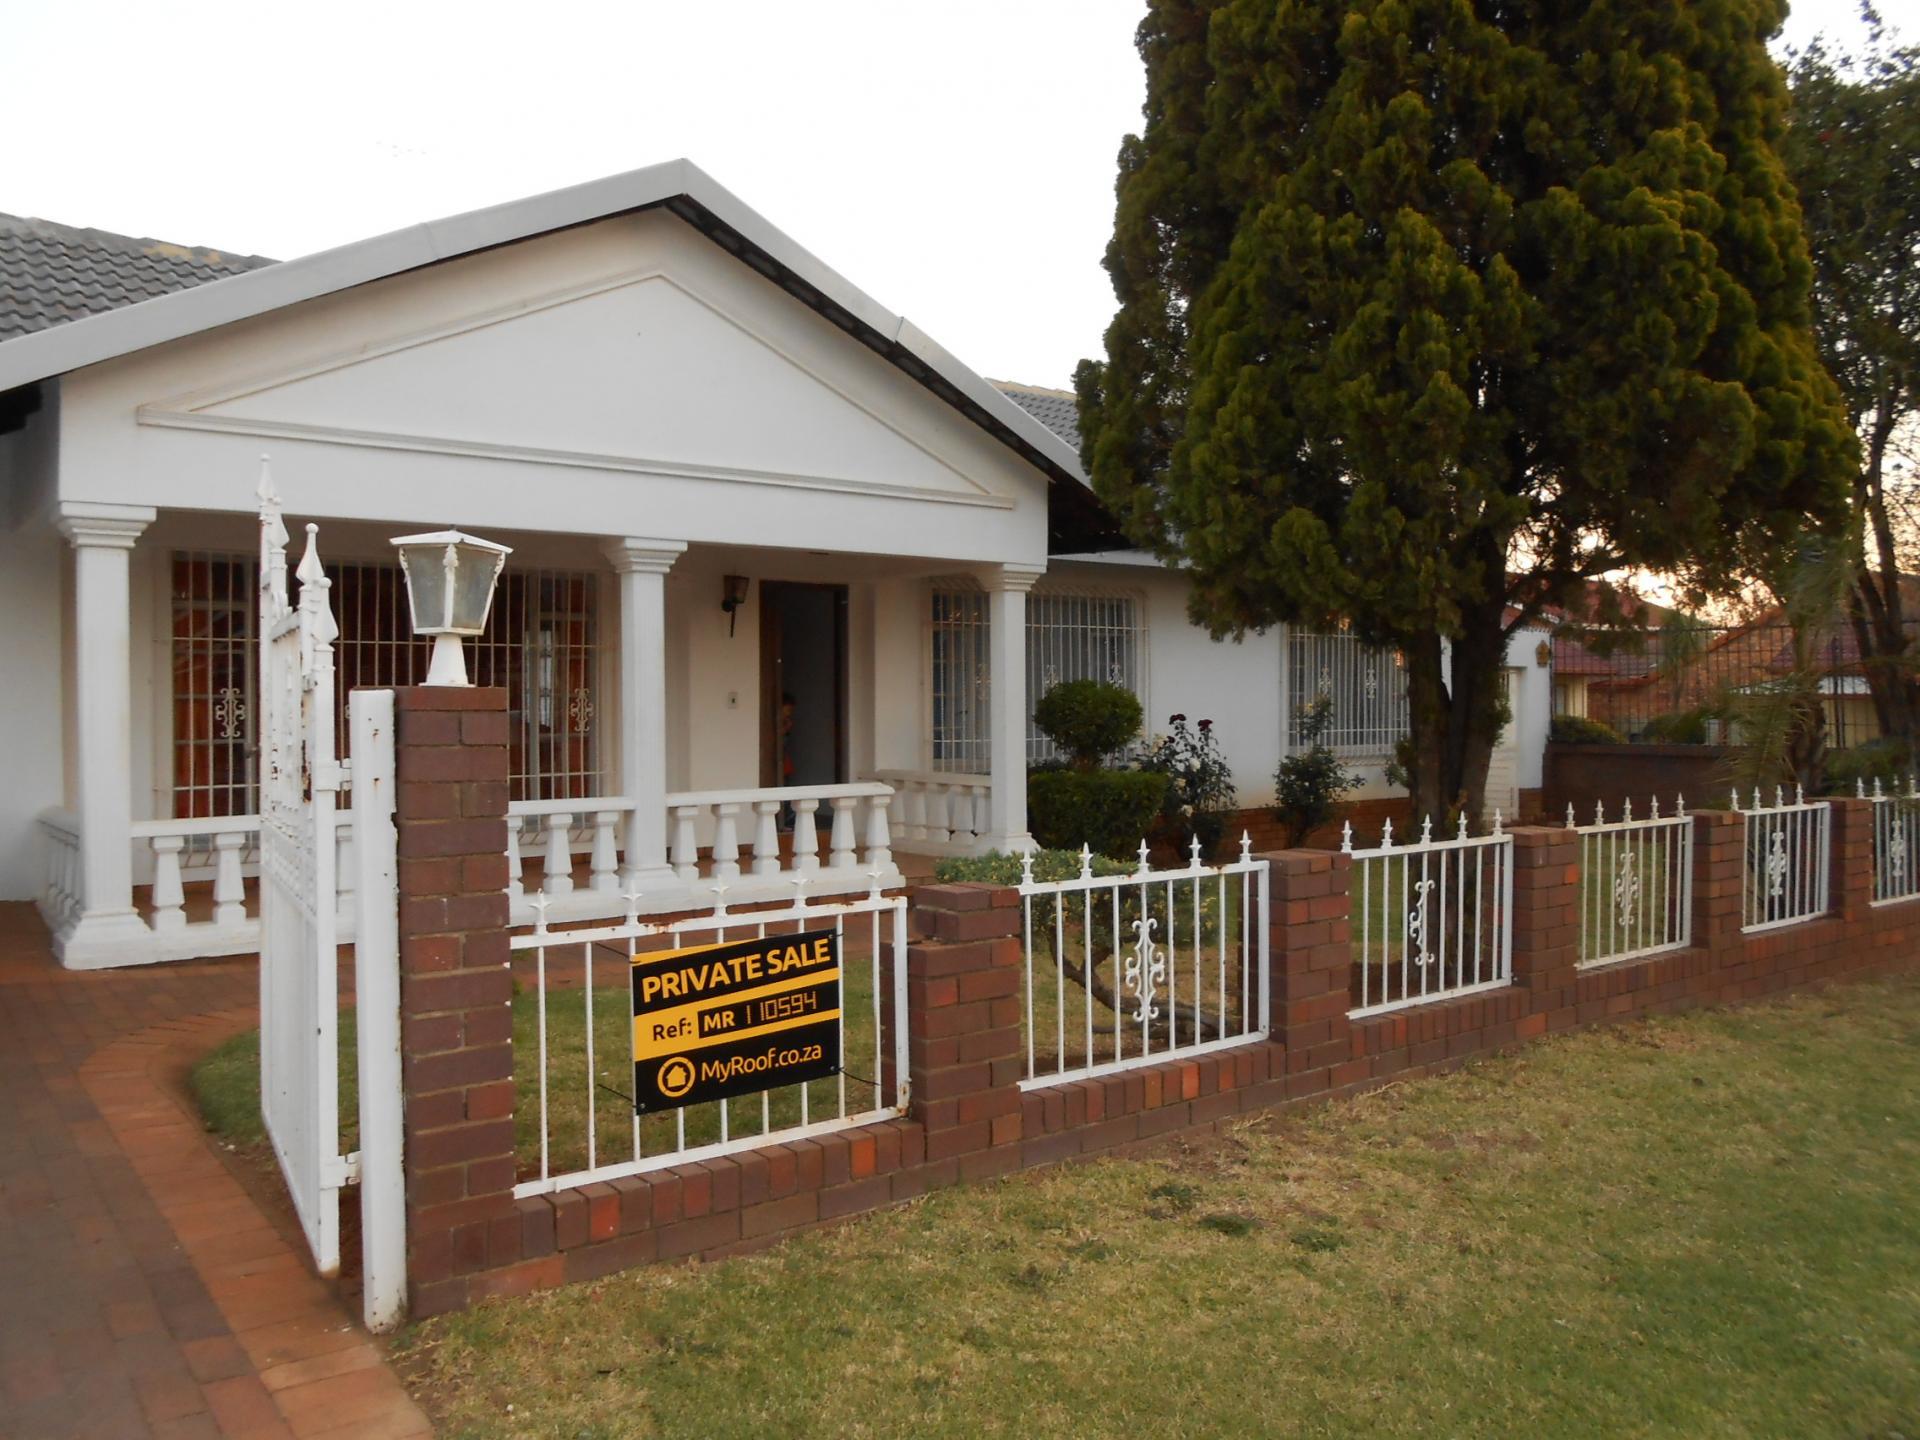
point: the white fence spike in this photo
(1736, 799)
(1086, 862)
(1386, 834)
(1860, 786)
(1346, 837)
(1497, 820)
(1246, 846)
(1656, 807)
(1026, 867)
(1426, 830)
(1779, 797)
(1463, 825)
(1799, 793)
(1143, 856)
(1599, 812)
(1193, 851)
(1680, 804)
(1758, 804)
(1626, 809)
(1570, 819)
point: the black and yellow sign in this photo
(735, 1018)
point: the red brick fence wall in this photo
(469, 1237)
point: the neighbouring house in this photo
(781, 565)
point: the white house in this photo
(730, 480)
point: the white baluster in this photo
(229, 891)
(937, 829)
(766, 838)
(686, 842)
(806, 834)
(982, 811)
(842, 856)
(726, 842)
(606, 859)
(169, 899)
(913, 815)
(559, 856)
(515, 890)
(879, 854)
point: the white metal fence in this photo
(1188, 972)
(576, 1027)
(1430, 920)
(1636, 883)
(1787, 849)
(1896, 842)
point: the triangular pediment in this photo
(641, 372)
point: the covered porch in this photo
(690, 723)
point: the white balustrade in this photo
(935, 813)
(216, 857)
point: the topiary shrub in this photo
(1107, 810)
(1088, 720)
(1578, 730)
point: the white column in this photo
(1007, 589)
(108, 931)
(642, 566)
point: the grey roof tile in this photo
(1055, 409)
(50, 274)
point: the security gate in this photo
(299, 927)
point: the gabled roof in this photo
(1076, 521)
(52, 274)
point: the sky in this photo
(952, 158)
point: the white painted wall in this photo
(1237, 685)
(31, 715)
(34, 626)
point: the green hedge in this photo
(1578, 730)
(1109, 810)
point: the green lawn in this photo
(1702, 1226)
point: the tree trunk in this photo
(1454, 719)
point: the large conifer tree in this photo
(1431, 310)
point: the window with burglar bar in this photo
(1081, 636)
(961, 740)
(541, 643)
(1366, 684)
(1071, 635)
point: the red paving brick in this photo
(147, 1295)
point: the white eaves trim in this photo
(89, 341)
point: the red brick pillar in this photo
(456, 989)
(1546, 922)
(1312, 964)
(1851, 886)
(1719, 840)
(964, 1053)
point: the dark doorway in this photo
(803, 660)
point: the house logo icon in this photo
(676, 1077)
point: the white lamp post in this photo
(450, 580)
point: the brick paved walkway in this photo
(144, 1293)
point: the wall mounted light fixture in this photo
(733, 595)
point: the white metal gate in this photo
(300, 781)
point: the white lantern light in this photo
(450, 580)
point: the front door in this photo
(803, 683)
